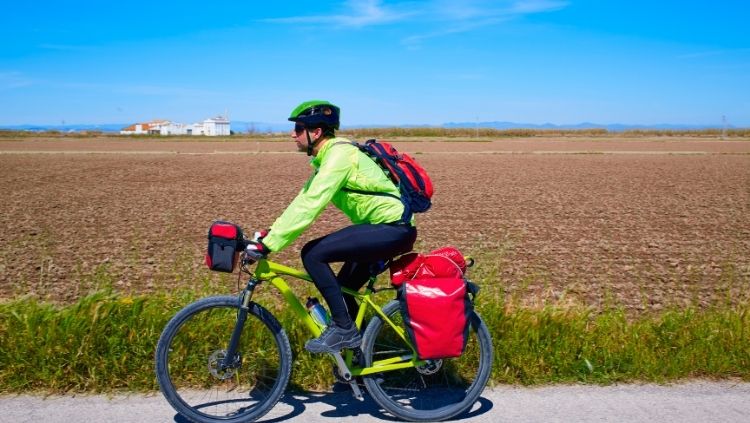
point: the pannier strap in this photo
(472, 289)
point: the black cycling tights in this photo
(357, 247)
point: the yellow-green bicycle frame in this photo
(268, 271)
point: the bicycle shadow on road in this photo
(340, 404)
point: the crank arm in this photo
(347, 375)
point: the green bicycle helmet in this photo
(317, 114)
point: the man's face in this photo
(299, 134)
(300, 137)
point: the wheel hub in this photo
(431, 367)
(218, 368)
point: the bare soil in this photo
(640, 223)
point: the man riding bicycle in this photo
(355, 184)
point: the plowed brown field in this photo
(643, 223)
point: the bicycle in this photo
(227, 358)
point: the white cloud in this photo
(484, 9)
(459, 17)
(357, 13)
(449, 16)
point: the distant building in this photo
(153, 127)
(172, 128)
(217, 126)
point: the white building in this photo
(217, 126)
(153, 127)
(172, 128)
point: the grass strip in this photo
(105, 342)
(565, 346)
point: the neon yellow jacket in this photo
(337, 165)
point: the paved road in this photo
(691, 402)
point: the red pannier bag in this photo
(225, 241)
(436, 301)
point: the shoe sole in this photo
(355, 343)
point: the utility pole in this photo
(724, 127)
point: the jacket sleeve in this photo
(332, 175)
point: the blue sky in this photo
(383, 62)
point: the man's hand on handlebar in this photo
(255, 249)
(258, 236)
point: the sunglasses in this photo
(298, 128)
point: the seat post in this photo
(371, 283)
(375, 269)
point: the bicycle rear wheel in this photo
(437, 391)
(193, 344)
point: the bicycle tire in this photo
(191, 343)
(411, 395)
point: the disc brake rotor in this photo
(215, 368)
(431, 367)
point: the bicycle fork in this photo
(232, 360)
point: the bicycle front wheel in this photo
(192, 348)
(436, 391)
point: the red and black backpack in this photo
(411, 179)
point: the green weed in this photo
(106, 341)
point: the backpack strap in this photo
(381, 194)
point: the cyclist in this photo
(354, 183)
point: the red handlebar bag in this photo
(224, 245)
